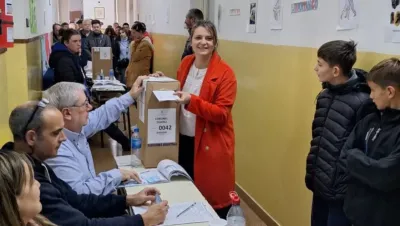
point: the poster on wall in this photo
(348, 16)
(277, 15)
(8, 8)
(32, 16)
(304, 6)
(252, 20)
(392, 29)
(219, 17)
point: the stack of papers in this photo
(183, 213)
(107, 85)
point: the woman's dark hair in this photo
(209, 26)
(66, 34)
(139, 27)
(54, 26)
(127, 32)
(110, 32)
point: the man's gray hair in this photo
(64, 94)
(20, 116)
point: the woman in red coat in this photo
(207, 139)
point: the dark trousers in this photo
(328, 213)
(186, 160)
(116, 134)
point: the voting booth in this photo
(101, 60)
(158, 121)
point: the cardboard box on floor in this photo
(101, 60)
(158, 121)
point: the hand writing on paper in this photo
(184, 97)
(147, 194)
(156, 214)
(137, 87)
(130, 175)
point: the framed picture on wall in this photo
(99, 12)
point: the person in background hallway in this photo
(121, 53)
(146, 34)
(140, 56)
(65, 26)
(370, 160)
(74, 26)
(56, 35)
(343, 102)
(64, 58)
(85, 31)
(115, 25)
(37, 132)
(118, 30)
(192, 17)
(125, 26)
(19, 192)
(113, 38)
(96, 39)
(207, 137)
(80, 25)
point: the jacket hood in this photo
(357, 82)
(58, 51)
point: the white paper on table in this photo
(161, 128)
(195, 214)
(165, 95)
(105, 53)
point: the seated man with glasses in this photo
(74, 161)
(38, 132)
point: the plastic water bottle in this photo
(235, 215)
(111, 74)
(101, 74)
(136, 145)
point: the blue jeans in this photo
(328, 213)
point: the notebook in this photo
(166, 171)
(183, 213)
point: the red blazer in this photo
(214, 158)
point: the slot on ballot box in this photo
(158, 120)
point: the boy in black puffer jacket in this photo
(370, 160)
(342, 103)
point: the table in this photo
(176, 191)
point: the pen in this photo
(185, 210)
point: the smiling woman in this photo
(19, 192)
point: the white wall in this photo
(44, 18)
(308, 29)
(121, 10)
(76, 5)
(109, 6)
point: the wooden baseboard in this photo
(255, 207)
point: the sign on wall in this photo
(348, 16)
(304, 6)
(252, 20)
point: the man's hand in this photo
(156, 214)
(130, 175)
(147, 194)
(157, 74)
(137, 87)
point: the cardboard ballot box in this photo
(158, 121)
(101, 60)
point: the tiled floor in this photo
(100, 156)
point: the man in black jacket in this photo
(342, 103)
(65, 60)
(96, 39)
(370, 160)
(37, 131)
(192, 17)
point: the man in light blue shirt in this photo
(74, 161)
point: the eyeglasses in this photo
(42, 104)
(85, 104)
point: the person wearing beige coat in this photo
(141, 52)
